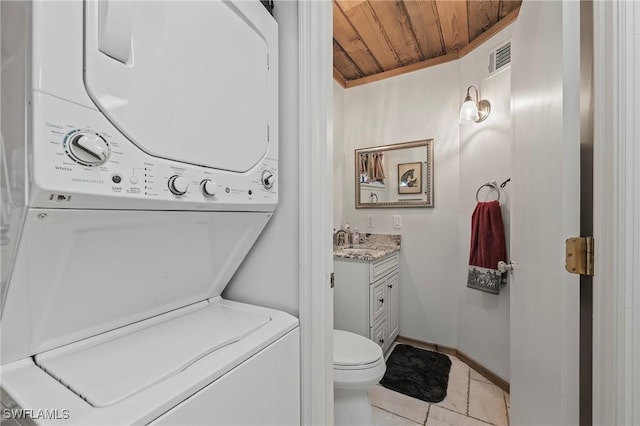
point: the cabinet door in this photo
(379, 334)
(377, 296)
(382, 267)
(392, 302)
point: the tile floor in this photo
(471, 401)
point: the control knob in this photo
(208, 188)
(267, 179)
(178, 184)
(88, 149)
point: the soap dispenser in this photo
(355, 237)
(347, 238)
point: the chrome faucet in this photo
(340, 237)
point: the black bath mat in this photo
(418, 373)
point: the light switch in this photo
(397, 221)
(369, 221)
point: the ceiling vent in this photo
(500, 58)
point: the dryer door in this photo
(186, 81)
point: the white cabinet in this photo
(365, 298)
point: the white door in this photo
(545, 80)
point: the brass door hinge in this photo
(579, 255)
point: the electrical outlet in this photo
(369, 221)
(397, 221)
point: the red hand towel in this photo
(487, 247)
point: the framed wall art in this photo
(410, 178)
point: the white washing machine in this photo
(140, 164)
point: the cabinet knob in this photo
(390, 286)
(381, 300)
(381, 341)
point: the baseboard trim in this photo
(491, 376)
(426, 345)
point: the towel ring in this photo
(493, 185)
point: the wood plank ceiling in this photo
(375, 39)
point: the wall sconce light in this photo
(474, 111)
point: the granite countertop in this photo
(364, 252)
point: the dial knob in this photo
(208, 188)
(88, 149)
(267, 179)
(178, 184)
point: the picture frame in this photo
(410, 178)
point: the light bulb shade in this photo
(469, 112)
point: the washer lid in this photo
(184, 80)
(112, 367)
(353, 349)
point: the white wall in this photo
(339, 155)
(485, 155)
(269, 274)
(435, 304)
(410, 107)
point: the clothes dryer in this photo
(149, 138)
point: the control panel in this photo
(89, 158)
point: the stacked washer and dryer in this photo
(140, 158)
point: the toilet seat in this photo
(358, 366)
(354, 352)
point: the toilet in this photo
(357, 364)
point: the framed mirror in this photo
(398, 175)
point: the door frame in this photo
(616, 295)
(315, 27)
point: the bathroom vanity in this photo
(366, 292)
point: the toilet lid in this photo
(353, 349)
